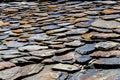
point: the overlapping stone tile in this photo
(4, 65)
(74, 43)
(67, 58)
(113, 53)
(105, 62)
(85, 49)
(66, 67)
(70, 38)
(106, 24)
(43, 53)
(16, 72)
(32, 48)
(107, 45)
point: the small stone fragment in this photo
(65, 67)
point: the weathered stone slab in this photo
(85, 49)
(113, 53)
(32, 48)
(106, 24)
(16, 72)
(107, 45)
(65, 67)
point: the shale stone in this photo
(65, 67)
(85, 49)
(32, 48)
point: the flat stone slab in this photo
(106, 24)
(74, 43)
(113, 53)
(4, 65)
(107, 63)
(106, 45)
(105, 35)
(3, 47)
(43, 53)
(32, 48)
(16, 72)
(65, 67)
(85, 49)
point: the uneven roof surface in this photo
(60, 40)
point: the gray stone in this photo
(3, 47)
(106, 24)
(85, 49)
(50, 27)
(106, 2)
(43, 53)
(107, 45)
(77, 31)
(83, 59)
(15, 44)
(32, 48)
(110, 17)
(75, 43)
(42, 37)
(65, 67)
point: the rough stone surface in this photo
(85, 49)
(32, 48)
(106, 24)
(72, 40)
(65, 67)
(107, 45)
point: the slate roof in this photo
(60, 41)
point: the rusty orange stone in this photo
(17, 31)
(16, 35)
(63, 18)
(22, 40)
(77, 24)
(52, 6)
(24, 36)
(72, 20)
(49, 32)
(87, 36)
(32, 21)
(23, 22)
(6, 42)
(109, 11)
(79, 15)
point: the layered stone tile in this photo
(72, 40)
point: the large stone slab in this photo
(16, 72)
(113, 53)
(32, 48)
(106, 24)
(85, 49)
(43, 53)
(107, 45)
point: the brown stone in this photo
(106, 53)
(17, 72)
(17, 31)
(87, 36)
(79, 15)
(4, 65)
(105, 35)
(109, 11)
